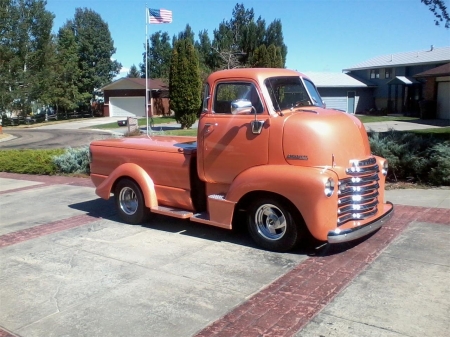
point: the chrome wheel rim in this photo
(270, 222)
(128, 201)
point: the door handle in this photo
(208, 126)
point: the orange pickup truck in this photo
(266, 145)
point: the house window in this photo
(387, 73)
(375, 73)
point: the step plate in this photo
(173, 212)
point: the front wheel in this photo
(272, 225)
(130, 202)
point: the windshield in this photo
(291, 92)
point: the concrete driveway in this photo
(69, 267)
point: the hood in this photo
(318, 136)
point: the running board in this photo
(173, 212)
(204, 219)
(220, 212)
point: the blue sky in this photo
(321, 35)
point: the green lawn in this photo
(141, 122)
(371, 119)
(180, 132)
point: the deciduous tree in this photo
(95, 50)
(26, 52)
(66, 94)
(159, 52)
(440, 11)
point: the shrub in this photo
(29, 161)
(440, 164)
(73, 160)
(413, 157)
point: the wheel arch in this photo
(135, 173)
(301, 186)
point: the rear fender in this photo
(134, 172)
(303, 186)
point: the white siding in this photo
(127, 106)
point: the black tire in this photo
(130, 203)
(273, 225)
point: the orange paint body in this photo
(300, 146)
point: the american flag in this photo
(159, 16)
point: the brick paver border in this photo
(45, 229)
(288, 304)
(4, 333)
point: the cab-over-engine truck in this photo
(266, 144)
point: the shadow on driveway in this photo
(105, 209)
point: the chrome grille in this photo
(358, 194)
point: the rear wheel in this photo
(130, 202)
(272, 225)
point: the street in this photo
(46, 138)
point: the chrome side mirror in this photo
(244, 106)
(241, 106)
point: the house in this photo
(395, 86)
(437, 89)
(343, 92)
(125, 97)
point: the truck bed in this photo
(178, 144)
(168, 160)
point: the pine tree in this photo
(237, 40)
(205, 53)
(185, 83)
(133, 73)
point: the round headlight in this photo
(384, 170)
(329, 187)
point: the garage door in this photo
(127, 106)
(339, 103)
(443, 100)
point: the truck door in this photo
(227, 146)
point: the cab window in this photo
(226, 93)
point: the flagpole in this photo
(146, 65)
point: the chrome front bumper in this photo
(339, 236)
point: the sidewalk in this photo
(406, 125)
(69, 267)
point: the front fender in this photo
(303, 186)
(134, 172)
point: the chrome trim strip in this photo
(351, 234)
(362, 207)
(361, 180)
(363, 198)
(359, 190)
(362, 216)
(362, 170)
(364, 162)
